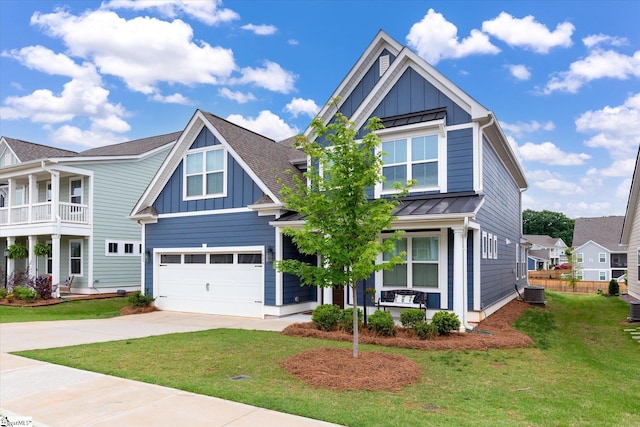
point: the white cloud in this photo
(619, 168)
(142, 51)
(542, 175)
(260, 30)
(299, 106)
(528, 33)
(521, 128)
(558, 186)
(176, 98)
(67, 134)
(617, 128)
(434, 38)
(206, 11)
(596, 39)
(520, 72)
(599, 64)
(622, 192)
(239, 97)
(43, 59)
(267, 124)
(272, 77)
(584, 209)
(293, 42)
(550, 154)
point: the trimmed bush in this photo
(445, 322)
(326, 316)
(426, 331)
(614, 287)
(411, 317)
(346, 320)
(136, 299)
(24, 293)
(3, 293)
(382, 323)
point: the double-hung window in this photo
(75, 257)
(422, 267)
(205, 173)
(412, 158)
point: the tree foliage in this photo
(341, 223)
(554, 224)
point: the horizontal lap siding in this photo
(499, 215)
(240, 229)
(112, 204)
(290, 283)
(633, 282)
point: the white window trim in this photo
(81, 257)
(602, 273)
(490, 246)
(579, 257)
(436, 127)
(484, 243)
(204, 150)
(137, 245)
(442, 265)
(76, 178)
(602, 255)
(495, 246)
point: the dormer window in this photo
(204, 173)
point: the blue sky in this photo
(562, 77)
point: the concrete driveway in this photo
(54, 395)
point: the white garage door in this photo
(227, 283)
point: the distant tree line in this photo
(549, 223)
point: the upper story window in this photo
(75, 191)
(602, 257)
(204, 173)
(419, 154)
(579, 257)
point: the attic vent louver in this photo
(384, 64)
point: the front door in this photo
(338, 296)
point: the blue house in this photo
(213, 215)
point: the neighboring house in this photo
(78, 203)
(599, 256)
(213, 216)
(545, 251)
(631, 233)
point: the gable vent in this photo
(384, 64)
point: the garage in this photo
(212, 281)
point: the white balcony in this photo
(39, 213)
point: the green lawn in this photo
(584, 371)
(72, 310)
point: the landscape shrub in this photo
(382, 323)
(426, 331)
(136, 299)
(346, 320)
(411, 317)
(326, 316)
(614, 287)
(42, 285)
(445, 322)
(24, 293)
(3, 293)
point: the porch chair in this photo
(67, 285)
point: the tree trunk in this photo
(354, 293)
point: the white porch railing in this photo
(41, 212)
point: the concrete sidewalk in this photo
(55, 395)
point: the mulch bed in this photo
(338, 369)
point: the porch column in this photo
(55, 262)
(459, 294)
(32, 197)
(11, 190)
(278, 256)
(55, 195)
(11, 263)
(32, 259)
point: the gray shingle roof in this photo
(27, 151)
(605, 231)
(266, 158)
(541, 240)
(132, 148)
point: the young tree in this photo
(342, 224)
(572, 277)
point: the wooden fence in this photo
(582, 287)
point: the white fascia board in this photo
(380, 42)
(591, 242)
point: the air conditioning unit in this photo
(634, 316)
(534, 295)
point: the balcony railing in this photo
(41, 213)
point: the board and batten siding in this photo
(117, 188)
(633, 279)
(460, 160)
(291, 287)
(499, 215)
(241, 189)
(213, 230)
